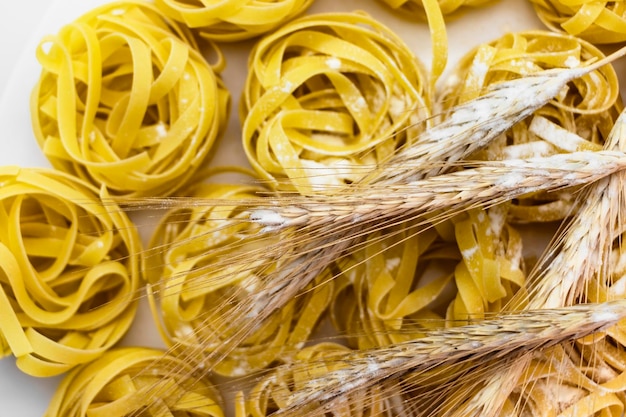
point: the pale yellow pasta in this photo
(598, 22)
(419, 7)
(135, 381)
(232, 20)
(69, 271)
(582, 115)
(195, 288)
(400, 285)
(125, 101)
(328, 97)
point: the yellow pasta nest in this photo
(328, 97)
(408, 279)
(579, 118)
(125, 101)
(598, 22)
(133, 382)
(232, 20)
(69, 271)
(418, 7)
(198, 277)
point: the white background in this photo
(25, 22)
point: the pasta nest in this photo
(418, 7)
(69, 271)
(579, 118)
(232, 20)
(599, 22)
(200, 270)
(125, 100)
(411, 277)
(327, 97)
(135, 381)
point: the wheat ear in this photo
(472, 345)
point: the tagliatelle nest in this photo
(69, 271)
(126, 100)
(418, 7)
(198, 278)
(233, 20)
(580, 117)
(405, 282)
(599, 22)
(135, 381)
(327, 98)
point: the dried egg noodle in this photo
(232, 20)
(328, 97)
(404, 283)
(598, 22)
(192, 279)
(419, 7)
(124, 100)
(123, 381)
(579, 118)
(69, 271)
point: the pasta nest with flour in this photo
(410, 278)
(199, 269)
(69, 271)
(599, 22)
(420, 7)
(135, 381)
(126, 100)
(232, 20)
(327, 97)
(579, 118)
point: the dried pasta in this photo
(135, 381)
(233, 20)
(419, 7)
(327, 97)
(193, 281)
(125, 100)
(599, 22)
(69, 271)
(579, 118)
(400, 285)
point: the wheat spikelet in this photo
(503, 337)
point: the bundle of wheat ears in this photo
(241, 277)
(480, 368)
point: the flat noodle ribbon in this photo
(599, 22)
(405, 283)
(192, 283)
(135, 381)
(233, 20)
(418, 7)
(328, 97)
(579, 118)
(126, 100)
(69, 271)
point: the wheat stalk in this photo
(505, 336)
